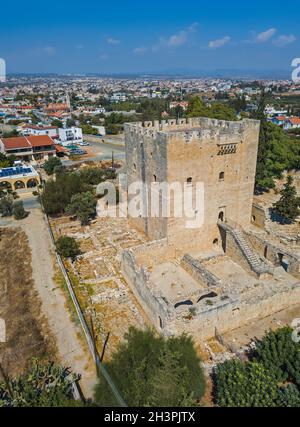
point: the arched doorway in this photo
(221, 216)
(5, 185)
(19, 185)
(31, 183)
(283, 261)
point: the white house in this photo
(28, 129)
(68, 136)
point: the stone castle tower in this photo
(221, 155)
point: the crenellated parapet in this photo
(195, 128)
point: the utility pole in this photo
(104, 347)
(112, 161)
(96, 356)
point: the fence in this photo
(90, 341)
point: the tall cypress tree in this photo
(263, 179)
(287, 206)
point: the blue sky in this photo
(134, 36)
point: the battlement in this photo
(196, 127)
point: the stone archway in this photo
(32, 183)
(19, 185)
(221, 216)
(5, 185)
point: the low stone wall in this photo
(138, 279)
(198, 272)
(230, 315)
(153, 253)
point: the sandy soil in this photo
(72, 350)
(27, 330)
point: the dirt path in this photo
(72, 348)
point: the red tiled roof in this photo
(295, 120)
(57, 107)
(281, 118)
(26, 126)
(60, 149)
(17, 142)
(27, 142)
(40, 140)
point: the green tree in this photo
(142, 369)
(43, 385)
(279, 353)
(58, 194)
(287, 206)
(197, 108)
(244, 385)
(222, 111)
(68, 247)
(89, 130)
(83, 205)
(6, 161)
(51, 164)
(57, 123)
(18, 210)
(289, 397)
(218, 110)
(6, 205)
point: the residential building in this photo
(27, 129)
(68, 136)
(29, 148)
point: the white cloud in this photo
(140, 50)
(284, 40)
(111, 40)
(214, 44)
(177, 39)
(266, 35)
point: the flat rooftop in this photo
(18, 171)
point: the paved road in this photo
(72, 349)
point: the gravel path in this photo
(72, 349)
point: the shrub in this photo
(51, 165)
(68, 247)
(150, 370)
(19, 211)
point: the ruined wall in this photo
(198, 272)
(137, 277)
(231, 314)
(273, 252)
(258, 216)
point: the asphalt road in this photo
(102, 152)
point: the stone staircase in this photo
(256, 264)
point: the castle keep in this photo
(221, 155)
(216, 276)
